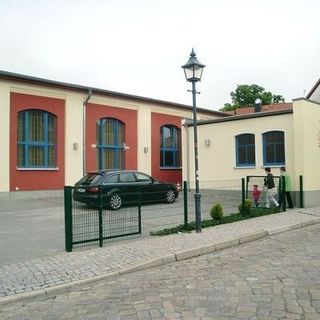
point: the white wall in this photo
(73, 135)
(307, 144)
(218, 161)
(4, 135)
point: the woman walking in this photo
(271, 189)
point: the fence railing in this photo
(95, 223)
(227, 192)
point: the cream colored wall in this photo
(144, 139)
(73, 137)
(307, 142)
(4, 135)
(218, 161)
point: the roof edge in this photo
(305, 99)
(313, 89)
(243, 117)
(82, 88)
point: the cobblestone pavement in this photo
(272, 278)
(39, 276)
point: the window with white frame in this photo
(170, 147)
(245, 150)
(37, 145)
(273, 148)
(110, 143)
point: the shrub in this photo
(216, 211)
(245, 208)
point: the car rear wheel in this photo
(115, 201)
(170, 196)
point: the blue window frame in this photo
(273, 148)
(170, 147)
(245, 150)
(37, 146)
(110, 144)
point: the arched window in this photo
(37, 134)
(245, 150)
(170, 147)
(110, 143)
(273, 148)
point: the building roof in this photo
(265, 108)
(314, 88)
(69, 86)
(239, 117)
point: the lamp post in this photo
(193, 72)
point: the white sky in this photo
(138, 46)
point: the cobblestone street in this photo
(276, 277)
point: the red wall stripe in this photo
(36, 179)
(95, 112)
(157, 121)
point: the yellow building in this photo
(51, 133)
(244, 144)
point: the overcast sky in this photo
(138, 46)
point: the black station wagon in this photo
(122, 187)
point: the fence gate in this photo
(93, 224)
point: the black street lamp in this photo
(193, 72)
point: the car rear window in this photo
(90, 178)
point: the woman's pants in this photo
(270, 197)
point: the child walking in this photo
(256, 195)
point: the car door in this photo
(151, 190)
(127, 185)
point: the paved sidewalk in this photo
(43, 275)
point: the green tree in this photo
(246, 95)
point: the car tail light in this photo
(178, 186)
(93, 189)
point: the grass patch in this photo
(255, 212)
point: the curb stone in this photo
(227, 244)
(253, 236)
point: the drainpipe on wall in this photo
(84, 131)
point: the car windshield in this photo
(90, 178)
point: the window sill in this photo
(37, 169)
(277, 165)
(244, 167)
(170, 168)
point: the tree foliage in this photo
(246, 95)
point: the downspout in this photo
(85, 131)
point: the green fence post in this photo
(100, 219)
(185, 203)
(139, 217)
(301, 192)
(283, 193)
(247, 187)
(68, 218)
(243, 188)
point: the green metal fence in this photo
(95, 224)
(226, 192)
